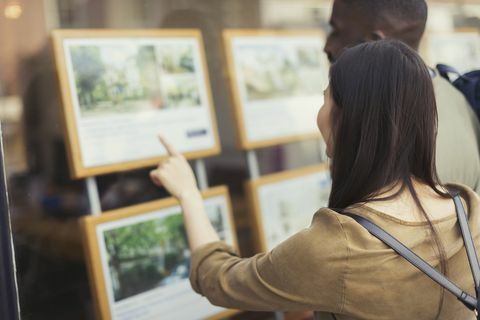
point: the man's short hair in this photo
(402, 19)
(412, 10)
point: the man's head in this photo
(357, 21)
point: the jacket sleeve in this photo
(305, 272)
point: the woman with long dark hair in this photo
(379, 122)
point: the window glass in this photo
(46, 204)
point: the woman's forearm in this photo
(176, 175)
(199, 229)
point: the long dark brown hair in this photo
(384, 123)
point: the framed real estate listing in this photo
(459, 49)
(123, 88)
(277, 80)
(284, 203)
(139, 260)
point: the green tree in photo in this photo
(176, 233)
(88, 68)
(147, 65)
(142, 255)
(186, 61)
(132, 245)
(118, 87)
(177, 242)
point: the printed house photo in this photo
(280, 71)
(282, 207)
(294, 211)
(124, 78)
(147, 255)
(152, 254)
(218, 220)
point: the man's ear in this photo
(377, 35)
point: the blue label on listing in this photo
(196, 133)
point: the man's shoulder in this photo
(445, 91)
(451, 103)
(458, 142)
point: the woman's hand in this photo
(177, 177)
(175, 174)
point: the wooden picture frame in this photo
(461, 37)
(164, 215)
(296, 126)
(121, 88)
(286, 187)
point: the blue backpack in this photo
(468, 84)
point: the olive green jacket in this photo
(340, 271)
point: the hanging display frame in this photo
(156, 217)
(256, 126)
(100, 139)
(262, 210)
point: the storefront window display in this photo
(178, 69)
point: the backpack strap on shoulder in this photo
(468, 84)
(444, 71)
